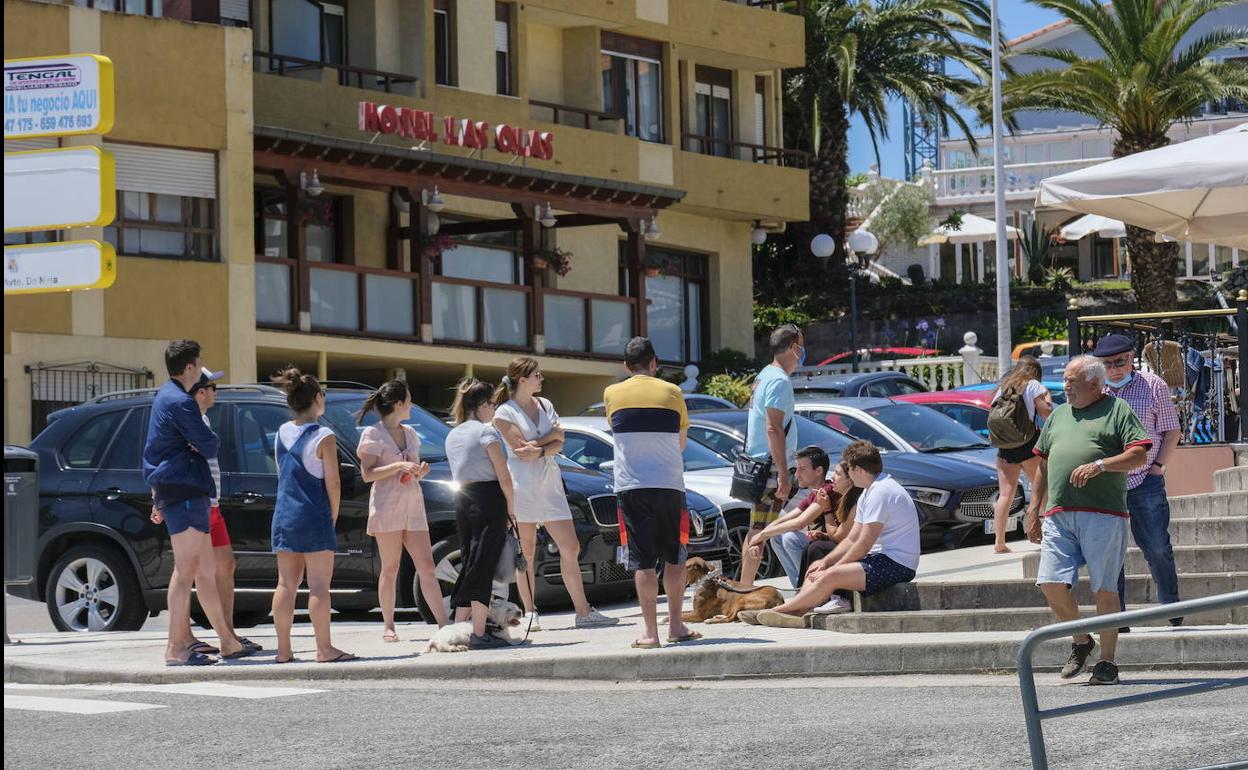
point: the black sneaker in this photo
(1176, 621)
(487, 641)
(1078, 658)
(1124, 629)
(1104, 672)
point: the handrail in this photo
(1033, 714)
(344, 70)
(521, 287)
(583, 111)
(1033, 164)
(591, 295)
(760, 153)
(363, 270)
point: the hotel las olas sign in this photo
(455, 132)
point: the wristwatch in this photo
(1100, 465)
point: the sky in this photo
(1018, 17)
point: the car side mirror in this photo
(606, 466)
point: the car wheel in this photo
(738, 530)
(94, 588)
(447, 558)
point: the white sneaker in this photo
(534, 623)
(834, 606)
(595, 619)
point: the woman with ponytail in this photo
(530, 429)
(390, 460)
(308, 492)
(483, 506)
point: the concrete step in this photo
(1011, 619)
(1219, 530)
(1209, 505)
(1231, 479)
(1188, 558)
(972, 595)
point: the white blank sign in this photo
(57, 189)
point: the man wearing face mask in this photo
(1149, 397)
(771, 435)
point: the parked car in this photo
(816, 384)
(589, 442)
(694, 402)
(954, 497)
(1057, 391)
(968, 407)
(102, 565)
(1037, 349)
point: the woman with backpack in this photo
(1013, 429)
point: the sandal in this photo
(390, 636)
(242, 652)
(195, 659)
(203, 648)
(646, 645)
(291, 659)
(248, 643)
(341, 657)
(692, 636)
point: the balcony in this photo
(284, 65)
(958, 186)
(753, 153)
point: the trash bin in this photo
(21, 513)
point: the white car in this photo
(588, 441)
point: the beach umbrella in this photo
(973, 230)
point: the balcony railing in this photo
(361, 77)
(595, 324)
(493, 315)
(755, 153)
(342, 298)
(1022, 179)
(587, 118)
(791, 6)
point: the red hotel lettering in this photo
(457, 132)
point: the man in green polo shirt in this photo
(1087, 447)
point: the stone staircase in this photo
(1210, 537)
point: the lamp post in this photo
(862, 244)
(998, 203)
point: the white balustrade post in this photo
(970, 359)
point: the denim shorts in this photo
(1072, 539)
(188, 514)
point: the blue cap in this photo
(1113, 344)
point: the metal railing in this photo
(282, 65)
(755, 153)
(586, 116)
(1033, 714)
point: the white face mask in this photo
(1120, 383)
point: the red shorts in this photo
(216, 528)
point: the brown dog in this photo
(718, 600)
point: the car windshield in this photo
(927, 430)
(809, 433)
(340, 417)
(698, 457)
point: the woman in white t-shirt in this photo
(1023, 379)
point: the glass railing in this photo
(587, 323)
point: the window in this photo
(86, 448)
(723, 443)
(126, 451)
(139, 7)
(632, 84)
(502, 49)
(676, 313)
(320, 217)
(760, 110)
(334, 33)
(295, 29)
(160, 225)
(24, 239)
(587, 450)
(712, 111)
(855, 427)
(257, 436)
(443, 43)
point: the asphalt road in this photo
(877, 722)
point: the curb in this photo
(1211, 649)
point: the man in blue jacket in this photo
(175, 465)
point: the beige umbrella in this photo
(1093, 223)
(973, 230)
(1195, 190)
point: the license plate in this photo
(990, 527)
(621, 554)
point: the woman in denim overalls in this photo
(308, 493)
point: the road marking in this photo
(211, 689)
(72, 705)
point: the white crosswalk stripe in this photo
(66, 704)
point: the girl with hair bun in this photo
(530, 429)
(390, 460)
(302, 535)
(483, 506)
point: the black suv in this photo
(103, 566)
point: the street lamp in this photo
(862, 244)
(822, 246)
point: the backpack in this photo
(1009, 425)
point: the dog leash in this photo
(725, 584)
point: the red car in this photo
(969, 407)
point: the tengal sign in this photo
(456, 132)
(59, 188)
(50, 267)
(58, 96)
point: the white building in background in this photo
(1051, 143)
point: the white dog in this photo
(453, 637)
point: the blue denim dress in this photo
(302, 521)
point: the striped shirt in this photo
(1149, 397)
(647, 416)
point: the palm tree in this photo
(860, 55)
(1142, 83)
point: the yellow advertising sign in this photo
(44, 268)
(58, 96)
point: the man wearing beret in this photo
(1149, 397)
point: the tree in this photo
(859, 56)
(1141, 83)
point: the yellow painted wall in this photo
(545, 63)
(35, 29)
(47, 313)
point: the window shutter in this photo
(760, 130)
(22, 145)
(502, 37)
(165, 170)
(237, 10)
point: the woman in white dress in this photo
(530, 430)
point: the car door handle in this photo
(251, 498)
(112, 494)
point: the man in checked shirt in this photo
(1149, 397)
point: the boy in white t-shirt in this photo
(881, 550)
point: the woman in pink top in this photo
(390, 459)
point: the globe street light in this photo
(822, 246)
(862, 244)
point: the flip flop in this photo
(203, 648)
(341, 657)
(775, 619)
(291, 659)
(390, 636)
(195, 659)
(646, 645)
(245, 652)
(248, 643)
(689, 637)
